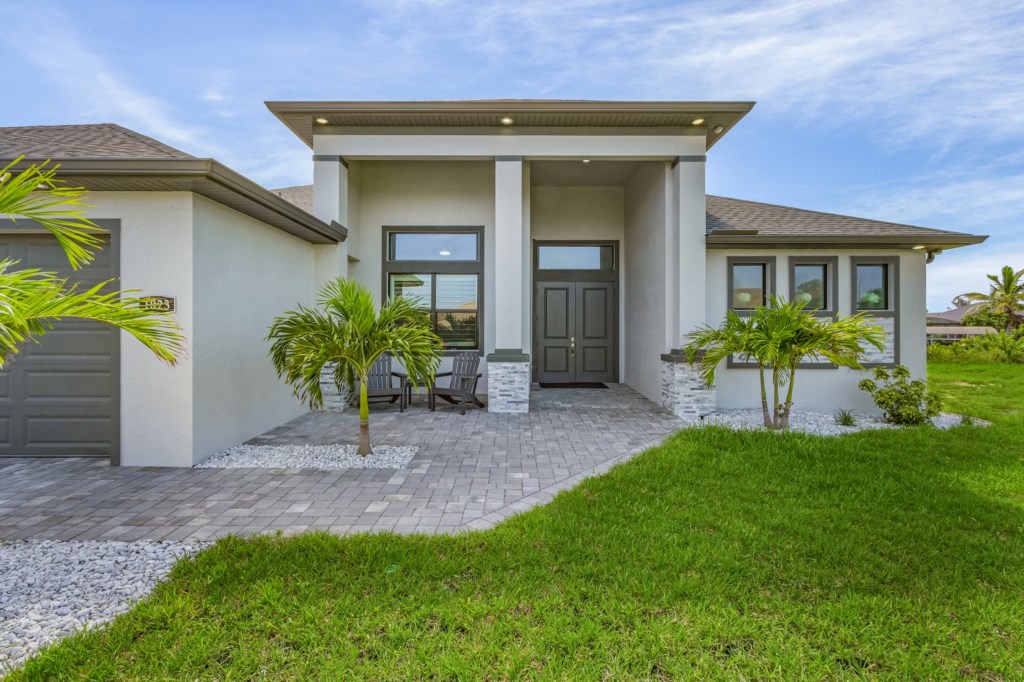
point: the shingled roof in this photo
(735, 222)
(300, 195)
(86, 141)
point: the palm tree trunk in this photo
(363, 449)
(787, 408)
(764, 399)
(775, 408)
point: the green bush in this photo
(906, 402)
(1004, 347)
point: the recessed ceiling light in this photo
(719, 129)
(321, 120)
(698, 121)
(506, 120)
(586, 160)
(919, 247)
(444, 252)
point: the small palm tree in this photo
(779, 337)
(32, 300)
(349, 333)
(1005, 297)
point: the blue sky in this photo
(904, 111)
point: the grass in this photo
(719, 555)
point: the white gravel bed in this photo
(821, 423)
(310, 457)
(50, 589)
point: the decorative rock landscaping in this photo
(819, 423)
(50, 589)
(310, 457)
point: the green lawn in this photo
(885, 555)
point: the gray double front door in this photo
(575, 332)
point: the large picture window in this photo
(440, 270)
(872, 286)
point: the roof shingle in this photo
(85, 141)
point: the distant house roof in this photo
(736, 222)
(86, 141)
(954, 316)
(108, 157)
(300, 195)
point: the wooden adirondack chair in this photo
(380, 383)
(462, 382)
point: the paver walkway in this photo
(470, 472)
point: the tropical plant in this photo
(777, 338)
(906, 402)
(845, 418)
(998, 348)
(347, 334)
(1005, 296)
(31, 300)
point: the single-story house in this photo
(565, 242)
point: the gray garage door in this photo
(59, 398)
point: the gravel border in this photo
(50, 589)
(324, 457)
(821, 423)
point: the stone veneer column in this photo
(336, 398)
(508, 381)
(508, 367)
(683, 392)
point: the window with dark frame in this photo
(440, 270)
(749, 285)
(872, 286)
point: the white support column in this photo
(508, 367)
(683, 391)
(330, 204)
(692, 227)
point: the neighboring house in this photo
(565, 242)
(951, 317)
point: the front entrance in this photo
(575, 325)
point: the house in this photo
(565, 242)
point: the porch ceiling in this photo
(302, 117)
(579, 174)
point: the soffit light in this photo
(586, 160)
(719, 129)
(919, 247)
(698, 121)
(506, 120)
(321, 120)
(444, 252)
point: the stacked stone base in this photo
(336, 398)
(508, 382)
(683, 391)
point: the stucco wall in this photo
(823, 389)
(156, 259)
(421, 193)
(245, 273)
(645, 278)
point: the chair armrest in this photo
(400, 375)
(442, 374)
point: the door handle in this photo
(572, 345)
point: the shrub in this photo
(845, 418)
(1004, 347)
(906, 402)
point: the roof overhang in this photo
(739, 239)
(205, 177)
(485, 115)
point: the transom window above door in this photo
(440, 270)
(575, 257)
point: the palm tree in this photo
(349, 333)
(31, 300)
(1005, 297)
(779, 337)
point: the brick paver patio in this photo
(471, 472)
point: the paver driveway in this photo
(470, 472)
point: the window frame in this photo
(437, 267)
(831, 264)
(769, 279)
(892, 310)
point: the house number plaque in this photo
(164, 304)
